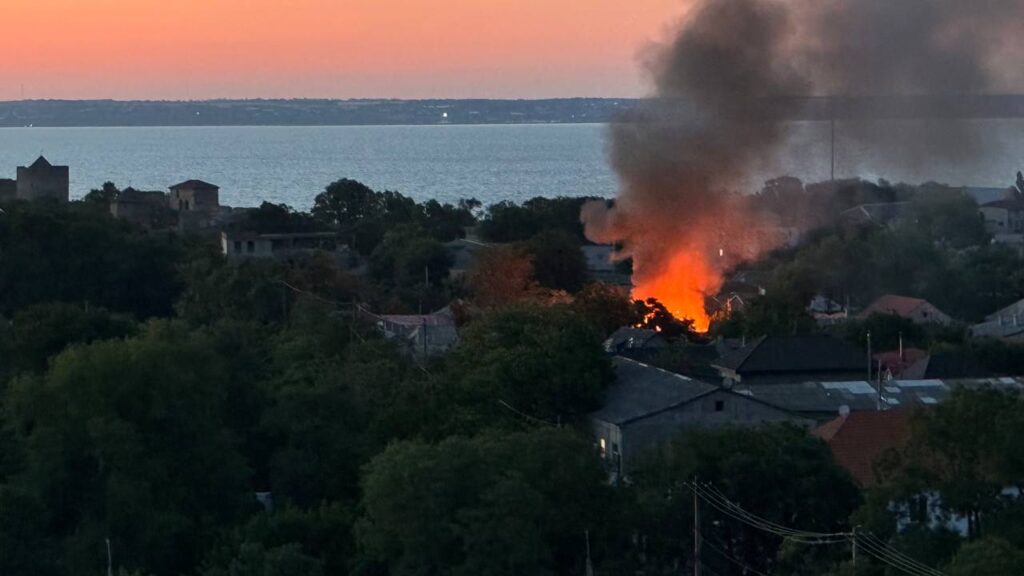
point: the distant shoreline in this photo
(154, 113)
(442, 112)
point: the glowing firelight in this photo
(681, 286)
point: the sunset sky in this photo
(179, 49)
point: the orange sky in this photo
(175, 49)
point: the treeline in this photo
(213, 418)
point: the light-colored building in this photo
(1003, 217)
(1005, 324)
(195, 196)
(43, 181)
(285, 245)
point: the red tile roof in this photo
(859, 439)
(904, 306)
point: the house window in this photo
(250, 246)
(719, 405)
(238, 246)
(604, 447)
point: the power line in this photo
(737, 513)
(735, 561)
(865, 541)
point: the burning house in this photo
(723, 90)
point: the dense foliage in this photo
(228, 418)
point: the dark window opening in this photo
(719, 405)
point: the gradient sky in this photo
(179, 49)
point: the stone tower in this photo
(43, 181)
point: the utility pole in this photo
(110, 560)
(696, 532)
(832, 126)
(590, 565)
(869, 356)
(854, 541)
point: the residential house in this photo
(148, 209)
(195, 196)
(627, 338)
(893, 363)
(916, 310)
(823, 401)
(945, 365)
(646, 407)
(421, 335)
(782, 359)
(826, 312)
(1004, 216)
(463, 252)
(43, 181)
(602, 267)
(875, 214)
(860, 440)
(1006, 324)
(282, 246)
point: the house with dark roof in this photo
(147, 209)
(860, 440)
(945, 366)
(783, 359)
(646, 407)
(917, 310)
(628, 338)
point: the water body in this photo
(491, 163)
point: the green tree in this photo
(965, 450)
(104, 196)
(606, 307)
(777, 472)
(67, 253)
(558, 262)
(126, 440)
(992, 557)
(346, 202)
(544, 362)
(44, 330)
(495, 504)
(886, 331)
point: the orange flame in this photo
(681, 286)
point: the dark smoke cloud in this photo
(724, 88)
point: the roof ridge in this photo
(669, 372)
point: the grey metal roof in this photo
(640, 390)
(1000, 328)
(829, 397)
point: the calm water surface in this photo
(491, 163)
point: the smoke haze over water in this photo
(724, 87)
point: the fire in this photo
(681, 285)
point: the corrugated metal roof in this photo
(640, 390)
